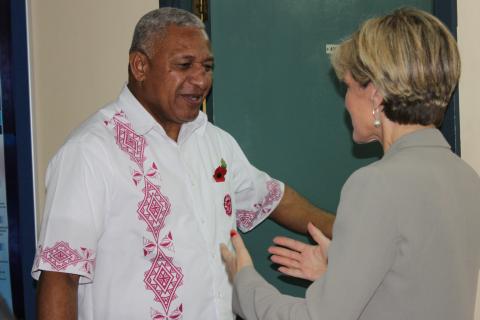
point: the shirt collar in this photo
(142, 121)
(428, 137)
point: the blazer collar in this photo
(428, 137)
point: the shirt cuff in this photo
(247, 219)
(63, 258)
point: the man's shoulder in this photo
(93, 137)
(95, 127)
(215, 131)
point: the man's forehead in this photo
(183, 32)
(186, 41)
(188, 50)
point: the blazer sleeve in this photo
(361, 253)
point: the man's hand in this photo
(301, 260)
(235, 262)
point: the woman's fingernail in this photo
(233, 233)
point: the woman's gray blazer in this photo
(406, 244)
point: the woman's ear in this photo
(138, 63)
(376, 96)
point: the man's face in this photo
(177, 77)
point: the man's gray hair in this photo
(154, 25)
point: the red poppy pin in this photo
(220, 172)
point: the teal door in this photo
(275, 92)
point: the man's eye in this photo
(208, 67)
(185, 65)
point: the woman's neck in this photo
(392, 131)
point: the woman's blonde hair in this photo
(411, 57)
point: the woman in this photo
(407, 234)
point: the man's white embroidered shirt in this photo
(140, 217)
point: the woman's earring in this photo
(376, 122)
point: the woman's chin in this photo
(363, 140)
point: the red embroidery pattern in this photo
(61, 255)
(89, 256)
(167, 242)
(274, 191)
(174, 315)
(149, 248)
(137, 176)
(163, 277)
(227, 204)
(246, 218)
(154, 208)
(130, 142)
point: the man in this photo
(142, 194)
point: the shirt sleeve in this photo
(74, 210)
(256, 193)
(361, 253)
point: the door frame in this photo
(446, 11)
(18, 157)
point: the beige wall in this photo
(469, 44)
(79, 58)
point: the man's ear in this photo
(138, 63)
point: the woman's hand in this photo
(301, 260)
(235, 262)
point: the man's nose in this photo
(200, 76)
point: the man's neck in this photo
(171, 129)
